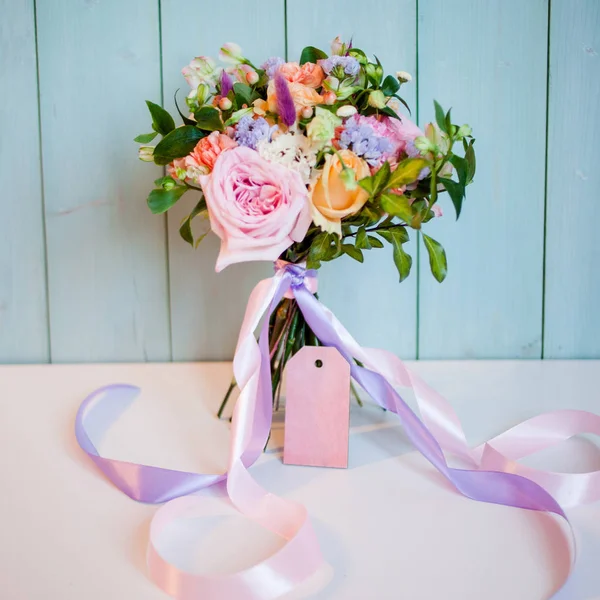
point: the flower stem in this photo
(232, 386)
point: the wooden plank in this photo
(107, 266)
(367, 297)
(23, 315)
(572, 294)
(488, 61)
(207, 308)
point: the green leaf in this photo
(437, 258)
(440, 116)
(166, 182)
(353, 252)
(362, 241)
(322, 249)
(402, 260)
(209, 119)
(180, 142)
(359, 55)
(399, 231)
(162, 121)
(456, 191)
(404, 103)
(407, 172)
(160, 200)
(397, 205)
(461, 166)
(390, 112)
(145, 138)
(185, 119)
(186, 227)
(311, 54)
(390, 85)
(375, 184)
(470, 158)
(375, 242)
(244, 94)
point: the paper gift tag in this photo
(317, 408)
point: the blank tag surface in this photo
(317, 408)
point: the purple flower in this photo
(250, 131)
(271, 65)
(347, 64)
(285, 102)
(363, 141)
(226, 83)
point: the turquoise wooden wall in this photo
(87, 274)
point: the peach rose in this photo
(308, 74)
(208, 148)
(302, 95)
(330, 200)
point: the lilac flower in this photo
(348, 64)
(226, 83)
(250, 131)
(285, 102)
(363, 141)
(271, 65)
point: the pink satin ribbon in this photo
(300, 557)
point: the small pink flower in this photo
(257, 208)
(402, 134)
(208, 148)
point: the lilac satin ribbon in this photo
(495, 475)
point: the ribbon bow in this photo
(494, 475)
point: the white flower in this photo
(346, 111)
(231, 53)
(403, 76)
(292, 150)
(146, 153)
(202, 69)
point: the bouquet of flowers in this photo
(305, 162)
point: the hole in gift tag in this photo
(317, 408)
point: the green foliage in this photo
(186, 120)
(437, 258)
(208, 118)
(375, 242)
(179, 142)
(397, 236)
(397, 205)
(362, 240)
(470, 158)
(442, 119)
(244, 94)
(186, 227)
(325, 246)
(311, 54)
(160, 200)
(456, 191)
(353, 252)
(359, 55)
(375, 184)
(162, 121)
(145, 138)
(407, 172)
(390, 85)
(390, 112)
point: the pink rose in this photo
(257, 208)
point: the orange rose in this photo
(330, 200)
(302, 95)
(308, 74)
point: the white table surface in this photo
(389, 526)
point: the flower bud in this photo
(348, 177)
(225, 103)
(464, 131)
(377, 99)
(146, 153)
(403, 76)
(231, 53)
(329, 98)
(337, 46)
(374, 72)
(346, 111)
(168, 183)
(423, 144)
(306, 112)
(252, 77)
(202, 93)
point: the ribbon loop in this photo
(495, 476)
